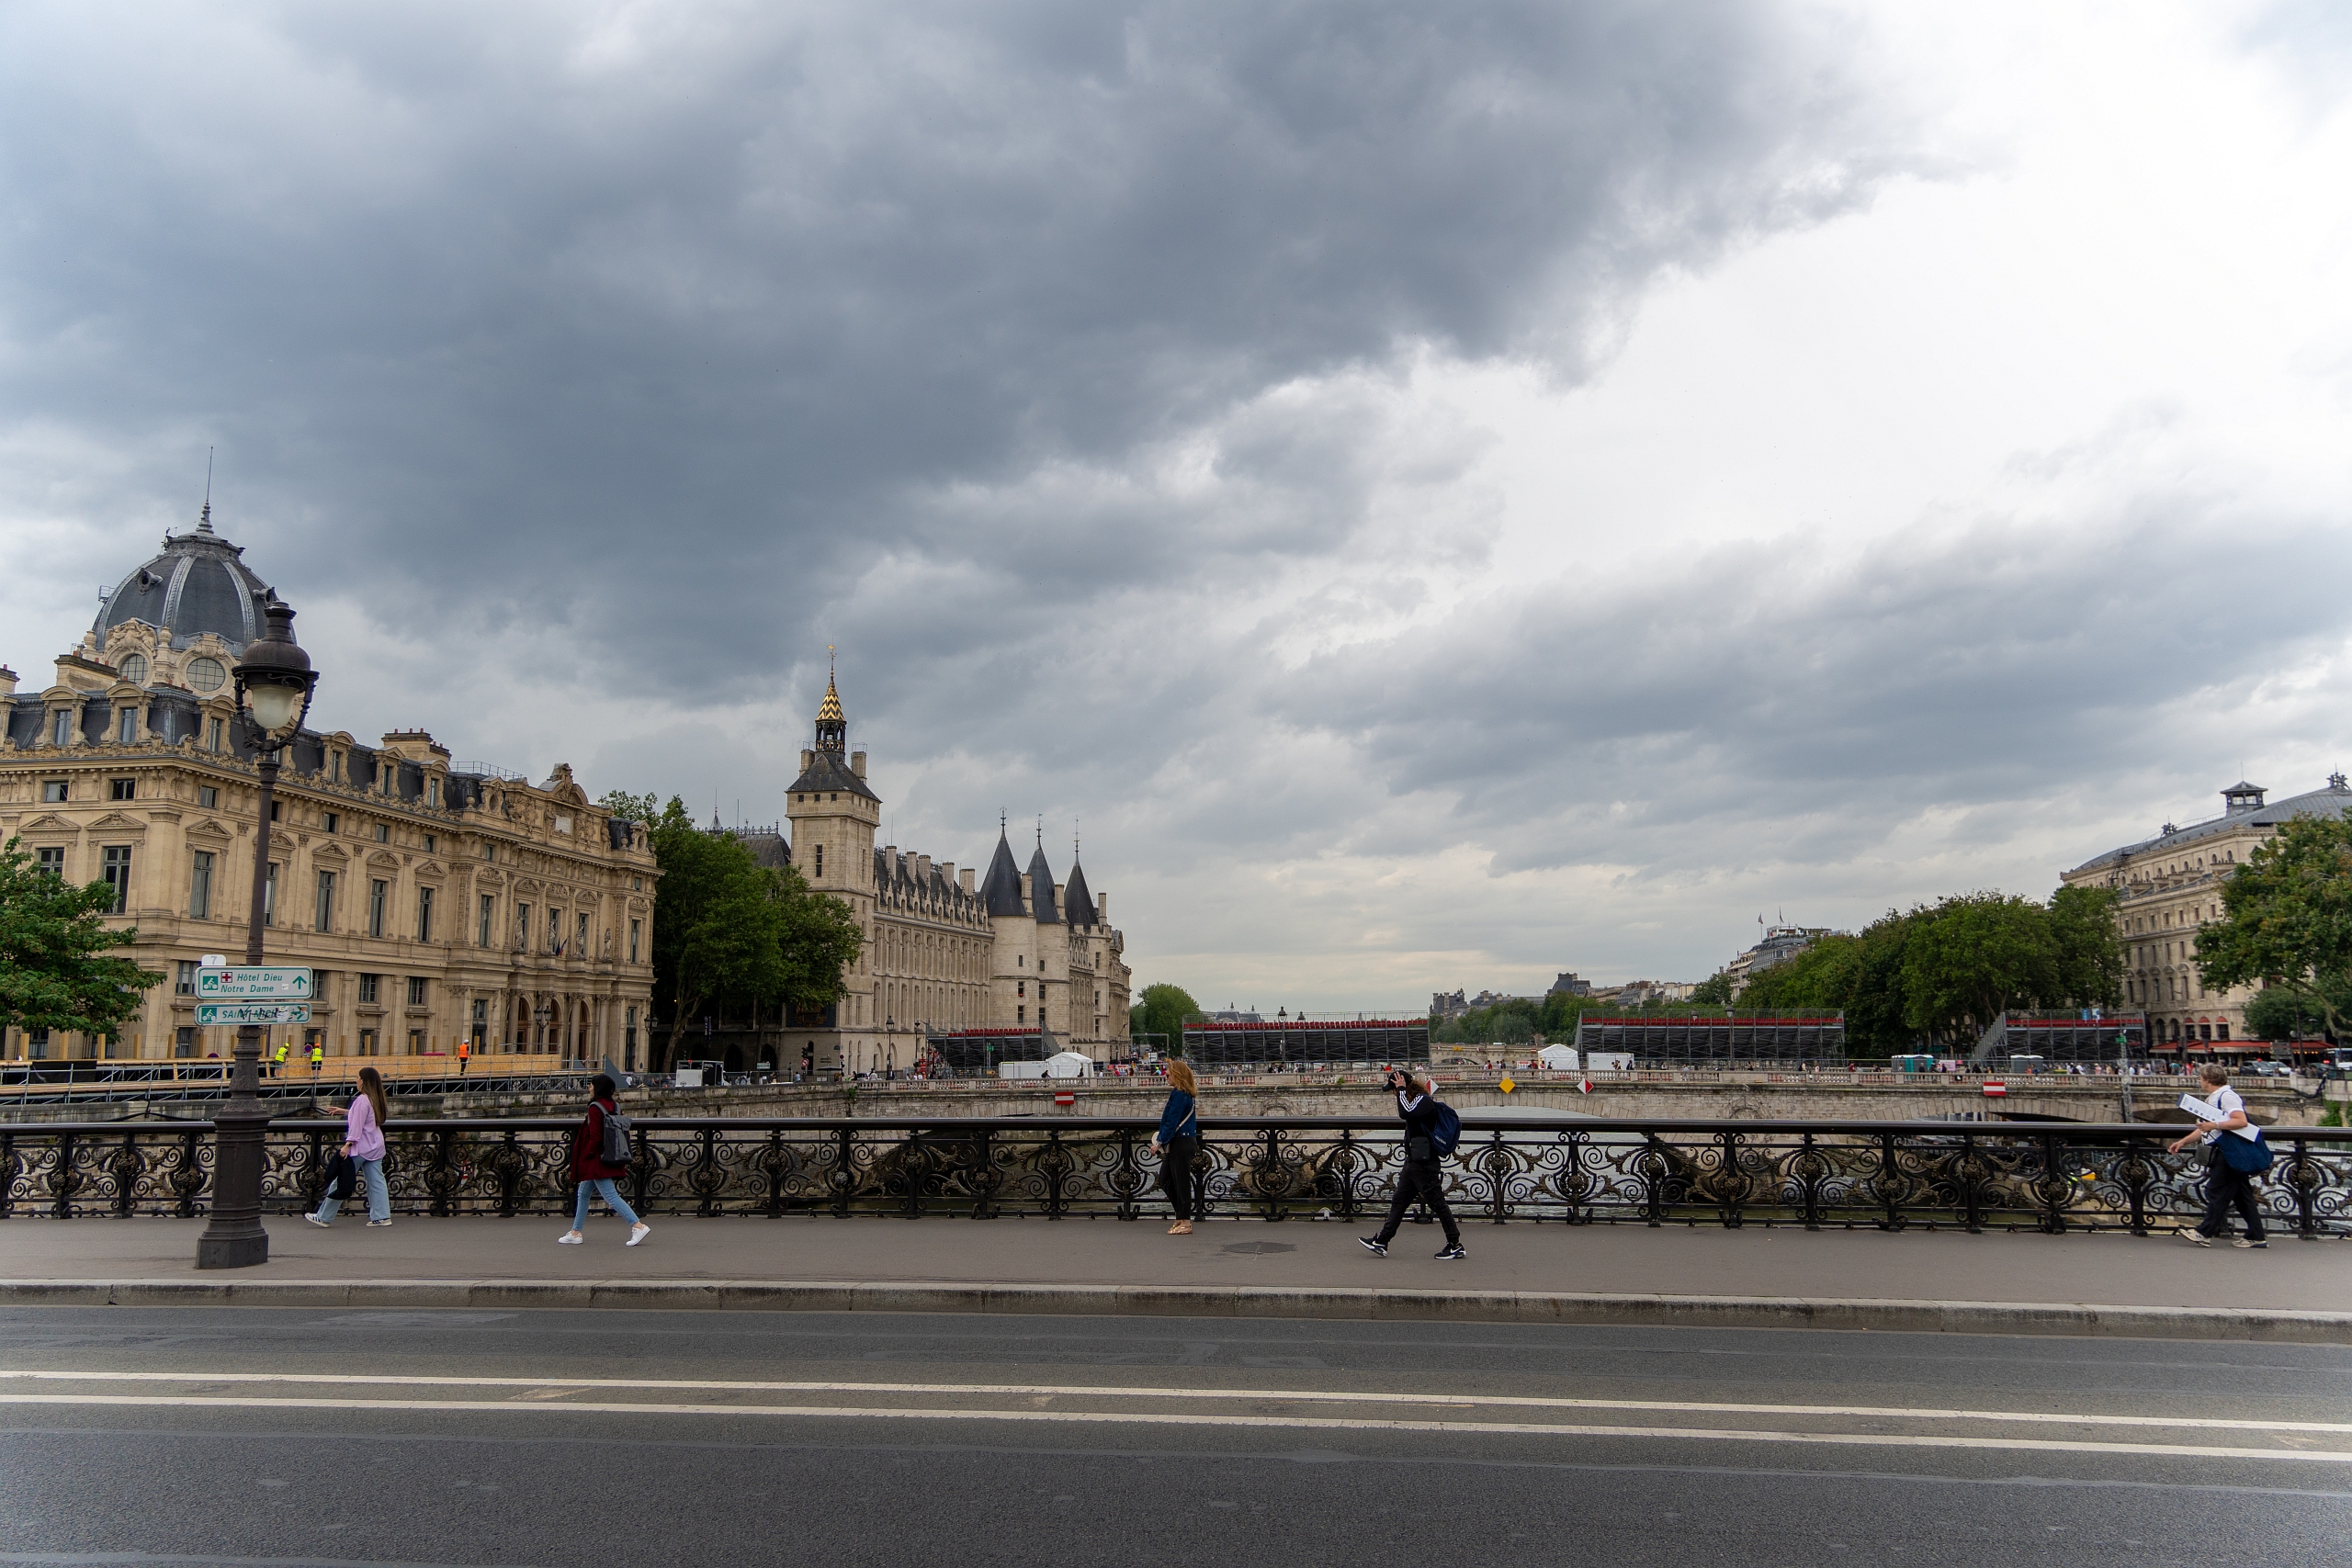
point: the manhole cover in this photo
(1259, 1247)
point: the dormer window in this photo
(63, 734)
(126, 726)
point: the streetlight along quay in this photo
(274, 684)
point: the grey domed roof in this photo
(199, 584)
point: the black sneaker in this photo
(1452, 1253)
(1376, 1248)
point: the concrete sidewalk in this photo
(1910, 1280)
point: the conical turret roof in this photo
(1077, 900)
(1041, 876)
(1000, 889)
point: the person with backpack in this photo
(1431, 1132)
(2230, 1165)
(600, 1155)
(363, 1145)
(1178, 1142)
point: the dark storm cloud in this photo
(664, 323)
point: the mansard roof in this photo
(1000, 889)
(2336, 800)
(1077, 902)
(827, 771)
(1041, 876)
(198, 584)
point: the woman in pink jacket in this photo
(364, 1143)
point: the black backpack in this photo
(618, 1147)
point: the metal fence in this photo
(1885, 1175)
(209, 1081)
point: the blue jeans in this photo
(379, 1197)
(612, 1196)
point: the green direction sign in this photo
(253, 1012)
(232, 984)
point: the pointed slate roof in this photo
(1078, 900)
(1000, 889)
(1041, 875)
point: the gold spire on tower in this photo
(831, 713)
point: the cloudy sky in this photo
(1436, 495)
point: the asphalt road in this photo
(602, 1438)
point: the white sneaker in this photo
(637, 1233)
(569, 1238)
(322, 1224)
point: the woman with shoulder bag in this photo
(594, 1172)
(2227, 1183)
(1178, 1142)
(362, 1145)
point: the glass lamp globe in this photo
(275, 707)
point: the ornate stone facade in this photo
(439, 902)
(944, 951)
(2171, 885)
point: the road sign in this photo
(1995, 1088)
(278, 984)
(253, 1012)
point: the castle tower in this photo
(834, 817)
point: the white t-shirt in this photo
(2223, 1100)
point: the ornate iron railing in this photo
(2047, 1177)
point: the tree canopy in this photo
(1940, 974)
(730, 930)
(53, 973)
(2287, 921)
(1163, 1009)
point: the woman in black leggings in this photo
(1177, 1140)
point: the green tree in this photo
(1714, 990)
(729, 930)
(52, 972)
(2090, 948)
(2287, 918)
(1164, 1011)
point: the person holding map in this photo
(2221, 1114)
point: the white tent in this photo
(1069, 1065)
(1557, 1058)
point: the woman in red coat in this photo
(594, 1172)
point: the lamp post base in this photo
(240, 1251)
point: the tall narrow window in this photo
(116, 869)
(481, 1024)
(555, 930)
(65, 732)
(821, 860)
(199, 887)
(127, 725)
(488, 909)
(424, 914)
(416, 991)
(325, 919)
(367, 992)
(212, 735)
(635, 927)
(377, 892)
(184, 983)
(269, 896)
(522, 927)
(580, 939)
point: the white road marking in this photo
(1109, 1418)
(1449, 1401)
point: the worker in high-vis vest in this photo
(318, 1060)
(277, 1062)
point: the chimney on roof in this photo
(807, 759)
(968, 877)
(857, 764)
(7, 681)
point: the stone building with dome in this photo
(440, 901)
(2169, 886)
(947, 950)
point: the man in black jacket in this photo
(1420, 1178)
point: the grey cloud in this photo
(1770, 705)
(652, 322)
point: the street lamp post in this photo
(274, 685)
